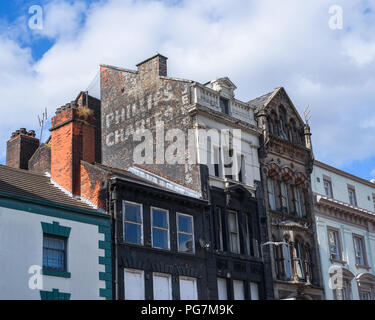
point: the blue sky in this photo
(260, 45)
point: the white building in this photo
(51, 245)
(345, 218)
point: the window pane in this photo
(159, 218)
(188, 289)
(159, 238)
(185, 224)
(239, 290)
(54, 253)
(185, 243)
(133, 212)
(133, 233)
(232, 219)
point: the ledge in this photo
(361, 266)
(338, 261)
(55, 273)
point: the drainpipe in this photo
(113, 200)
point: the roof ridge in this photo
(22, 171)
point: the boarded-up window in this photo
(188, 288)
(238, 290)
(222, 289)
(134, 284)
(162, 286)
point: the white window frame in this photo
(163, 229)
(132, 222)
(192, 230)
(162, 275)
(327, 187)
(194, 280)
(230, 233)
(139, 272)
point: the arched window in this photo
(308, 263)
(287, 260)
(284, 197)
(298, 201)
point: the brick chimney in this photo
(72, 140)
(20, 148)
(153, 67)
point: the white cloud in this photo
(260, 45)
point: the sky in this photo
(259, 45)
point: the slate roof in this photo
(35, 186)
(260, 101)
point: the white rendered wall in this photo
(249, 149)
(21, 246)
(346, 235)
(340, 188)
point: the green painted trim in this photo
(93, 212)
(54, 295)
(106, 276)
(106, 293)
(55, 273)
(38, 208)
(55, 229)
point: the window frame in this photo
(132, 222)
(160, 228)
(230, 233)
(65, 251)
(273, 204)
(284, 196)
(352, 189)
(338, 244)
(328, 180)
(194, 280)
(162, 275)
(139, 272)
(183, 232)
(298, 201)
(363, 247)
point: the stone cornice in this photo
(344, 212)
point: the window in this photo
(241, 172)
(234, 236)
(220, 226)
(54, 253)
(162, 284)
(224, 105)
(188, 288)
(160, 228)
(373, 200)
(133, 223)
(222, 289)
(352, 197)
(284, 197)
(297, 198)
(134, 282)
(359, 250)
(228, 163)
(248, 235)
(254, 291)
(185, 230)
(334, 244)
(238, 290)
(217, 162)
(327, 188)
(345, 293)
(287, 259)
(271, 193)
(365, 295)
(298, 259)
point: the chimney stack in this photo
(153, 67)
(72, 140)
(20, 148)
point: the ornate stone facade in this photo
(286, 161)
